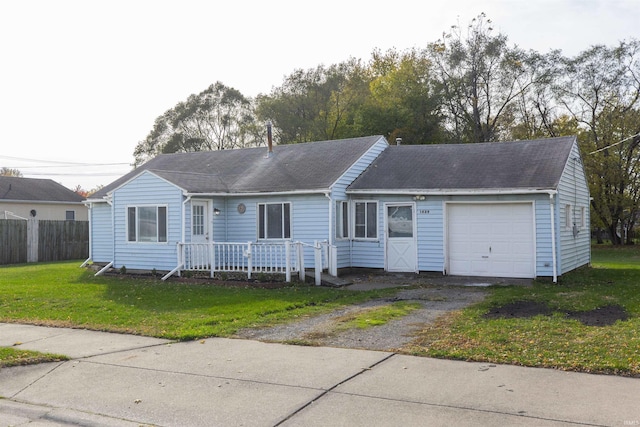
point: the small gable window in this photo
(568, 214)
(147, 224)
(583, 217)
(274, 220)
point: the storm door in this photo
(401, 238)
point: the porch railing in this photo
(251, 258)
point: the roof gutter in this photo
(42, 202)
(457, 192)
(265, 193)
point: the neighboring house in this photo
(45, 199)
(516, 209)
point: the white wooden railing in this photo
(253, 258)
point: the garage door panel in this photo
(491, 239)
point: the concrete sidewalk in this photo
(123, 380)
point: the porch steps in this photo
(328, 280)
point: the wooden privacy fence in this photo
(40, 241)
(13, 241)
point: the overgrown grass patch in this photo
(17, 357)
(62, 294)
(375, 316)
(554, 339)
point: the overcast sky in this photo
(83, 81)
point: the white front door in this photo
(401, 238)
(200, 222)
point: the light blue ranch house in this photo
(508, 209)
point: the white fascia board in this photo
(40, 202)
(270, 193)
(457, 192)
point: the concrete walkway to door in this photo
(124, 380)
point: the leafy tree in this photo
(86, 193)
(217, 118)
(600, 88)
(316, 104)
(403, 101)
(5, 171)
(480, 77)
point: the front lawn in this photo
(556, 328)
(62, 294)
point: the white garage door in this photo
(494, 240)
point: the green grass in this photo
(62, 294)
(552, 340)
(14, 357)
(376, 316)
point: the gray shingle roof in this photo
(533, 164)
(32, 189)
(297, 167)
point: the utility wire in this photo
(55, 162)
(613, 145)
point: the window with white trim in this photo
(342, 220)
(274, 220)
(583, 217)
(147, 224)
(365, 221)
(568, 223)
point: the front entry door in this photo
(200, 222)
(401, 238)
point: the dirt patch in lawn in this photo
(600, 316)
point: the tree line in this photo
(469, 86)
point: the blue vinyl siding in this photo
(309, 219)
(574, 251)
(430, 220)
(150, 190)
(544, 254)
(345, 246)
(356, 169)
(101, 233)
(369, 253)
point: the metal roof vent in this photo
(398, 141)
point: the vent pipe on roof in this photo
(398, 141)
(269, 139)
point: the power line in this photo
(63, 163)
(613, 145)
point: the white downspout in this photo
(553, 239)
(184, 217)
(90, 207)
(328, 196)
(113, 229)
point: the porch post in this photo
(333, 260)
(318, 261)
(300, 254)
(211, 257)
(287, 263)
(249, 263)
